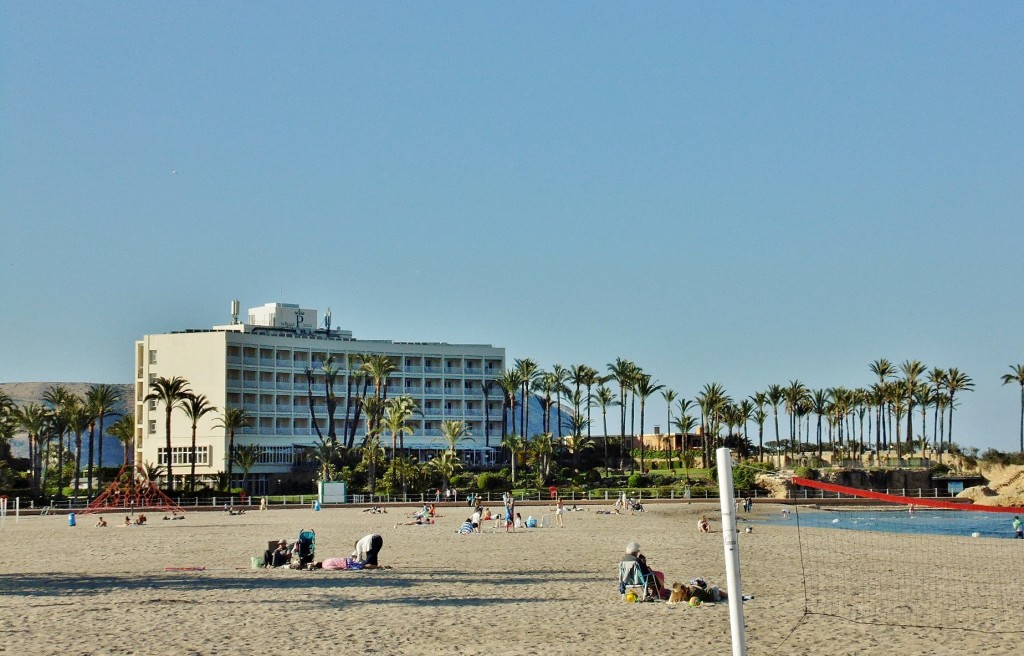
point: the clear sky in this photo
(743, 193)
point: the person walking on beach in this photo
(510, 512)
(1018, 528)
(559, 511)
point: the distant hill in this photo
(25, 393)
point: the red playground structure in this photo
(130, 490)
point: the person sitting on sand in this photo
(141, 521)
(127, 520)
(280, 556)
(366, 550)
(702, 524)
(101, 522)
(633, 555)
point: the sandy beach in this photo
(90, 590)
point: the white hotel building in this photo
(260, 365)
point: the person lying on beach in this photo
(467, 527)
(699, 590)
(704, 593)
(375, 510)
(127, 520)
(419, 521)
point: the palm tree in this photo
(445, 465)
(937, 381)
(528, 371)
(34, 419)
(795, 394)
(232, 420)
(645, 387)
(683, 407)
(558, 381)
(485, 387)
(378, 367)
(545, 387)
(712, 401)
(247, 456)
(912, 370)
(541, 450)
(324, 454)
(577, 442)
(171, 392)
(79, 418)
(124, 430)
(622, 372)
(819, 406)
(397, 412)
(1018, 377)
(509, 382)
(956, 381)
(57, 397)
(515, 445)
(884, 370)
(669, 396)
(331, 372)
(775, 396)
(454, 432)
(760, 400)
(604, 397)
(195, 407)
(685, 423)
(102, 399)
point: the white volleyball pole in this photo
(732, 552)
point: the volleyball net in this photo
(909, 561)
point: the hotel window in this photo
(152, 356)
(152, 426)
(180, 455)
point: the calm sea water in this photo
(932, 522)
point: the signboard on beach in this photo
(331, 491)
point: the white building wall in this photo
(264, 372)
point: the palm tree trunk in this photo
(99, 457)
(192, 464)
(88, 478)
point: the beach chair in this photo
(632, 579)
(305, 547)
(545, 521)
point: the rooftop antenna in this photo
(327, 321)
(234, 311)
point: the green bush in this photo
(593, 476)
(638, 480)
(806, 472)
(462, 481)
(491, 482)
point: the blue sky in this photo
(742, 193)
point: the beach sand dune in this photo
(89, 590)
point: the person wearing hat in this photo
(280, 556)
